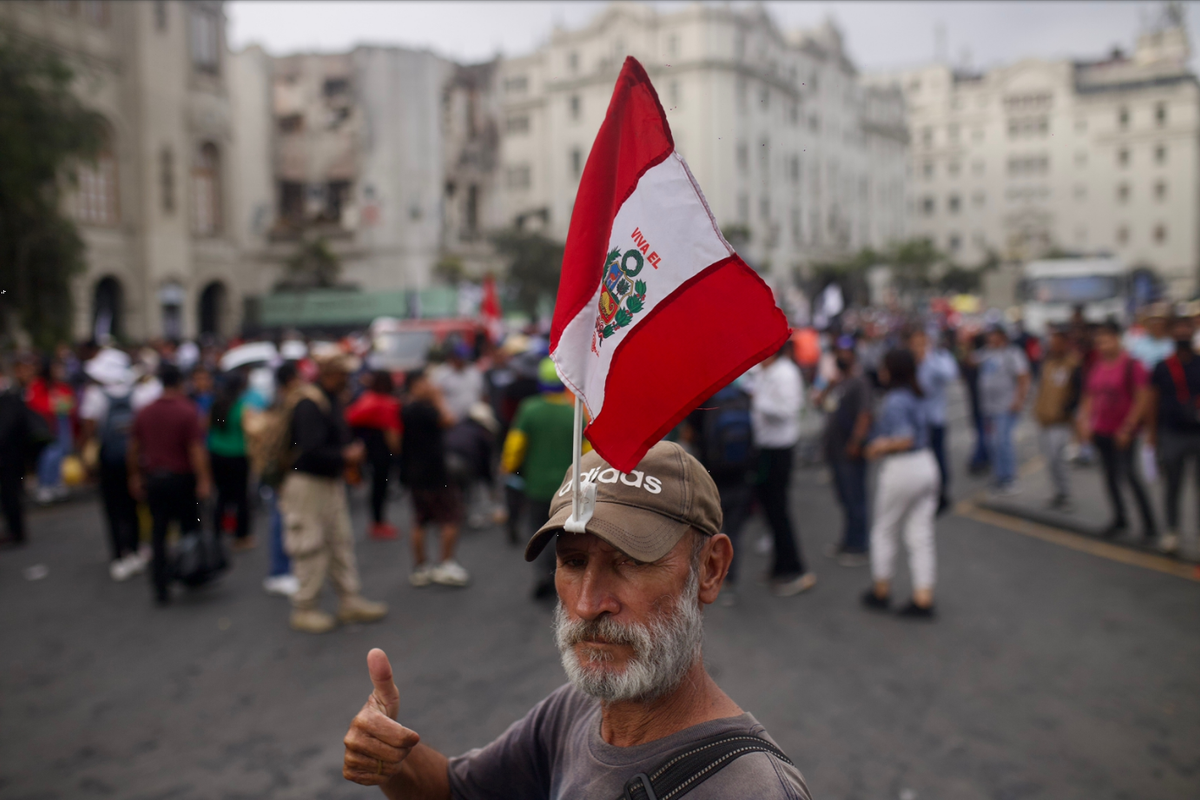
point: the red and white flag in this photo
(655, 310)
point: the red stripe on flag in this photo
(633, 138)
(688, 347)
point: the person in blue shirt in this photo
(907, 494)
(936, 370)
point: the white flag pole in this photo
(583, 495)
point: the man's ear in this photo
(715, 558)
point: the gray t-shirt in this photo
(999, 369)
(556, 753)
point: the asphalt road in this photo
(1050, 673)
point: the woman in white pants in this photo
(906, 498)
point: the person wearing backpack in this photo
(1054, 408)
(1115, 399)
(106, 413)
(640, 716)
(539, 445)
(720, 434)
(1173, 425)
(847, 405)
(169, 469)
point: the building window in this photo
(292, 123)
(160, 15)
(927, 137)
(977, 168)
(675, 93)
(1080, 125)
(952, 132)
(764, 208)
(743, 157)
(519, 177)
(206, 191)
(955, 242)
(1123, 118)
(166, 177)
(96, 200)
(573, 61)
(977, 135)
(1081, 158)
(96, 12)
(927, 206)
(673, 45)
(979, 199)
(576, 106)
(1160, 154)
(954, 167)
(1123, 235)
(517, 124)
(927, 169)
(1160, 190)
(206, 40)
(1123, 193)
(953, 204)
(1160, 234)
(1160, 115)
(1123, 157)
(795, 169)
(576, 163)
(517, 84)
(764, 97)
(743, 208)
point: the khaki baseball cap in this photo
(643, 513)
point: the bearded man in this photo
(640, 717)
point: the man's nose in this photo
(595, 596)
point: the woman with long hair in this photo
(227, 454)
(907, 494)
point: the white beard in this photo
(663, 651)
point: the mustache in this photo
(605, 629)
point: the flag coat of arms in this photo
(655, 310)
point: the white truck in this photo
(1052, 289)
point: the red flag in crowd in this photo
(489, 309)
(655, 310)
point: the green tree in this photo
(45, 132)
(534, 267)
(912, 261)
(314, 266)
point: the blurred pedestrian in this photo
(51, 397)
(470, 443)
(777, 400)
(202, 392)
(375, 419)
(539, 444)
(968, 367)
(14, 439)
(458, 380)
(436, 500)
(1152, 344)
(168, 468)
(317, 531)
(1115, 400)
(1173, 427)
(847, 405)
(1054, 408)
(907, 495)
(1003, 386)
(721, 435)
(936, 370)
(227, 452)
(106, 415)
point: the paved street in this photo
(1051, 673)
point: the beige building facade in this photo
(1094, 157)
(800, 162)
(155, 210)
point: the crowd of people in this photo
(174, 437)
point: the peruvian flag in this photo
(655, 310)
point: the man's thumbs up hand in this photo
(377, 745)
(386, 696)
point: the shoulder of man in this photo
(758, 775)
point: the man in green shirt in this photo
(539, 445)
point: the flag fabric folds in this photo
(655, 310)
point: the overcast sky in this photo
(879, 35)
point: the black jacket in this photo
(318, 438)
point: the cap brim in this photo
(637, 532)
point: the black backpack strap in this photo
(700, 761)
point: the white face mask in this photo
(663, 651)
